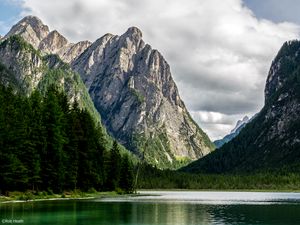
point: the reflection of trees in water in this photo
(144, 213)
(169, 213)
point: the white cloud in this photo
(219, 51)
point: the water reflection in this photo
(155, 210)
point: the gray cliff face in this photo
(132, 88)
(38, 35)
(282, 94)
(53, 43)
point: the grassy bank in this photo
(32, 196)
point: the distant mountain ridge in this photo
(272, 140)
(233, 133)
(131, 86)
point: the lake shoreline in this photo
(99, 195)
(226, 190)
(17, 197)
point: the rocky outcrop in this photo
(233, 133)
(31, 29)
(132, 88)
(38, 35)
(272, 139)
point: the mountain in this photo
(271, 140)
(39, 36)
(25, 69)
(233, 133)
(129, 82)
(133, 89)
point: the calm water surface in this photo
(163, 208)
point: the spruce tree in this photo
(72, 148)
(114, 167)
(126, 176)
(53, 156)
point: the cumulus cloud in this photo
(219, 51)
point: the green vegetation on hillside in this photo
(49, 145)
(152, 178)
(16, 42)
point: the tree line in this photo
(48, 144)
(280, 179)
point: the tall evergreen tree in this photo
(126, 176)
(114, 167)
(35, 140)
(74, 134)
(53, 156)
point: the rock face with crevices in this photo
(132, 88)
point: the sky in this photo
(219, 51)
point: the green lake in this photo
(161, 207)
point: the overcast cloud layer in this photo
(218, 50)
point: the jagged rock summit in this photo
(233, 133)
(39, 36)
(132, 87)
(31, 29)
(239, 124)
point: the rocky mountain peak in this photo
(53, 43)
(134, 32)
(131, 40)
(133, 89)
(234, 132)
(240, 123)
(31, 29)
(32, 20)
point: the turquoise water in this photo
(164, 208)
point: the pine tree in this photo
(87, 175)
(35, 140)
(72, 148)
(53, 156)
(126, 177)
(13, 173)
(114, 167)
